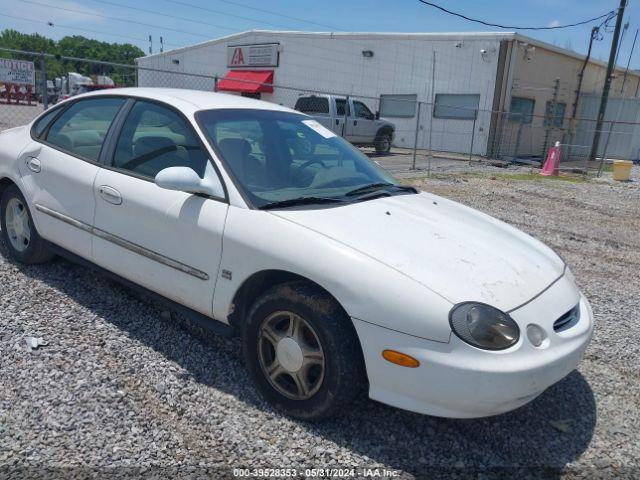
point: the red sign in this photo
(237, 59)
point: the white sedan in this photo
(253, 218)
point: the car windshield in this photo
(281, 156)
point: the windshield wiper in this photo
(293, 202)
(379, 186)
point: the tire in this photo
(383, 143)
(331, 386)
(31, 251)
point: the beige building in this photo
(532, 75)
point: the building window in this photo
(521, 110)
(554, 117)
(456, 106)
(400, 106)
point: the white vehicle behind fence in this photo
(76, 82)
(362, 127)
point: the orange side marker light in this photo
(401, 359)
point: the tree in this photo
(74, 46)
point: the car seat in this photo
(237, 153)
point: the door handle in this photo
(337, 121)
(33, 164)
(110, 194)
(355, 122)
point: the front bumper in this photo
(457, 380)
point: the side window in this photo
(41, 124)
(313, 105)
(153, 138)
(362, 110)
(81, 129)
(341, 103)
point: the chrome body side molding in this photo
(121, 242)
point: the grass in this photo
(530, 177)
(537, 177)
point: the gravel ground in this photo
(16, 115)
(121, 388)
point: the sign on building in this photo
(256, 55)
(17, 71)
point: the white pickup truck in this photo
(362, 127)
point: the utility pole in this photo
(595, 31)
(150, 45)
(620, 107)
(607, 81)
(594, 34)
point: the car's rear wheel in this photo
(18, 231)
(302, 351)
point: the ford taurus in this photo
(254, 218)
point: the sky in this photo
(186, 22)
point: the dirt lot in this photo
(120, 386)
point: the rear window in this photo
(82, 128)
(317, 105)
(44, 121)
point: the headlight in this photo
(483, 326)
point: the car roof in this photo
(189, 100)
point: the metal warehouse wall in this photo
(620, 141)
(465, 63)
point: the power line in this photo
(182, 3)
(328, 58)
(219, 12)
(175, 17)
(271, 12)
(513, 27)
(57, 25)
(365, 44)
(84, 12)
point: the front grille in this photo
(567, 320)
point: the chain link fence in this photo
(438, 135)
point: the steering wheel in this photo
(311, 162)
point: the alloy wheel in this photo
(17, 222)
(291, 355)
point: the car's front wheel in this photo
(302, 351)
(18, 232)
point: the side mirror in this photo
(185, 179)
(377, 115)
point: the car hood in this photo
(458, 252)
